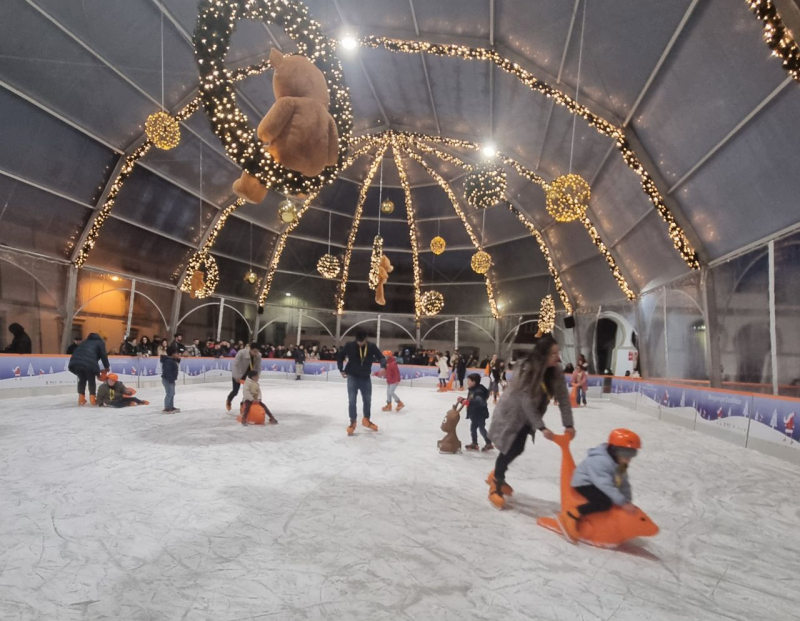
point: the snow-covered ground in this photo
(134, 515)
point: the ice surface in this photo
(134, 515)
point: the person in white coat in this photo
(444, 370)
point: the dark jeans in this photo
(354, 385)
(597, 500)
(169, 397)
(517, 448)
(580, 394)
(85, 376)
(125, 402)
(478, 425)
(461, 374)
(235, 391)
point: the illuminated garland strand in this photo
(412, 227)
(362, 197)
(454, 200)
(284, 236)
(777, 35)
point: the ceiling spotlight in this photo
(288, 295)
(489, 150)
(115, 278)
(349, 42)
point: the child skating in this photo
(169, 376)
(444, 371)
(392, 382)
(477, 411)
(252, 395)
(114, 394)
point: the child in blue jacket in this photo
(477, 411)
(169, 376)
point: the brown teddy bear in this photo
(300, 132)
(383, 275)
(197, 283)
(450, 443)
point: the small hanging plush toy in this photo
(197, 283)
(300, 132)
(450, 443)
(383, 275)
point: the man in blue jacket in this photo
(360, 355)
(83, 363)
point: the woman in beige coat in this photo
(520, 413)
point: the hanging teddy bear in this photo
(197, 283)
(450, 443)
(300, 132)
(384, 270)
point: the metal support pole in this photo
(455, 345)
(256, 323)
(338, 330)
(130, 308)
(666, 335)
(419, 336)
(299, 325)
(497, 336)
(644, 362)
(219, 320)
(175, 316)
(712, 329)
(69, 306)
(773, 324)
(378, 335)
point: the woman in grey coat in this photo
(520, 413)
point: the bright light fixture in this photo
(115, 278)
(288, 295)
(489, 149)
(349, 42)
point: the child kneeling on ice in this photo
(252, 394)
(477, 411)
(115, 394)
(602, 479)
(392, 382)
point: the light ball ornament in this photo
(568, 198)
(251, 277)
(387, 206)
(328, 266)
(431, 303)
(287, 211)
(163, 130)
(547, 315)
(481, 262)
(485, 186)
(438, 245)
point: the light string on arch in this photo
(457, 207)
(531, 176)
(604, 127)
(362, 197)
(778, 37)
(412, 226)
(282, 239)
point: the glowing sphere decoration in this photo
(485, 186)
(251, 277)
(568, 198)
(163, 130)
(432, 303)
(287, 211)
(387, 206)
(328, 266)
(438, 245)
(547, 315)
(481, 262)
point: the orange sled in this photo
(608, 529)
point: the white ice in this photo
(134, 515)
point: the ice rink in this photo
(133, 515)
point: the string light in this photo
(547, 315)
(481, 262)
(432, 303)
(438, 245)
(454, 200)
(375, 262)
(412, 227)
(612, 264)
(216, 22)
(197, 263)
(568, 197)
(778, 36)
(162, 130)
(328, 266)
(485, 186)
(351, 240)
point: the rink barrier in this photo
(764, 423)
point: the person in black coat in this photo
(21, 344)
(75, 342)
(360, 355)
(477, 411)
(83, 363)
(461, 369)
(299, 356)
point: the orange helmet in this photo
(624, 438)
(387, 353)
(112, 376)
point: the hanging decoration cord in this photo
(578, 83)
(483, 227)
(162, 61)
(200, 226)
(330, 217)
(380, 198)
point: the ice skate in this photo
(489, 447)
(471, 447)
(400, 406)
(369, 424)
(505, 488)
(228, 406)
(93, 399)
(496, 497)
(81, 399)
(352, 428)
(273, 420)
(145, 403)
(387, 408)
(569, 526)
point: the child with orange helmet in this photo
(113, 393)
(602, 479)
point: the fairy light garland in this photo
(216, 22)
(778, 37)
(547, 315)
(412, 227)
(163, 130)
(612, 264)
(567, 197)
(485, 186)
(431, 303)
(351, 240)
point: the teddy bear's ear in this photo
(275, 58)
